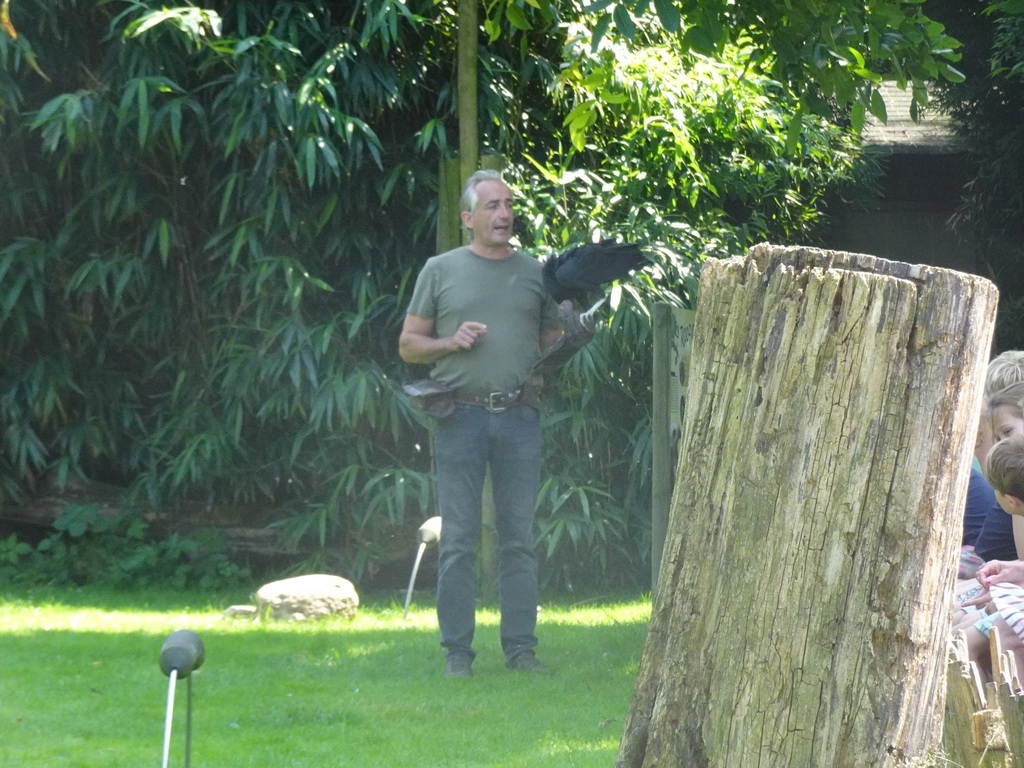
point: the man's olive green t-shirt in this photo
(507, 295)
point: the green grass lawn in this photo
(80, 685)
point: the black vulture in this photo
(580, 271)
(572, 277)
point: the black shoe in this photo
(458, 665)
(527, 662)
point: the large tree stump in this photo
(802, 617)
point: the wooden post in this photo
(468, 55)
(661, 469)
(972, 733)
(449, 223)
(802, 613)
(492, 162)
(673, 332)
(1010, 706)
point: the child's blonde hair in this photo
(1005, 467)
(1011, 396)
(1003, 370)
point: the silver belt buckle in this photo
(490, 403)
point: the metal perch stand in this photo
(429, 535)
(182, 652)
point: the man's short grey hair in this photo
(469, 195)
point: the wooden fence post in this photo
(673, 334)
(802, 613)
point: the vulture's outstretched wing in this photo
(582, 270)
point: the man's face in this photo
(492, 220)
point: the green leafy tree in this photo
(831, 54)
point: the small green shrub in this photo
(91, 546)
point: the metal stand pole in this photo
(169, 719)
(412, 579)
(188, 726)
(182, 653)
(429, 535)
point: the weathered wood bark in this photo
(802, 618)
(672, 329)
(973, 735)
(1012, 707)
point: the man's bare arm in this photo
(417, 344)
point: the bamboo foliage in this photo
(210, 220)
(202, 286)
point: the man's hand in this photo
(469, 333)
(417, 343)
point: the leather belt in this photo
(495, 402)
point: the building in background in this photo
(925, 173)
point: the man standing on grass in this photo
(482, 316)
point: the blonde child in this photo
(1004, 370)
(997, 537)
(1006, 412)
